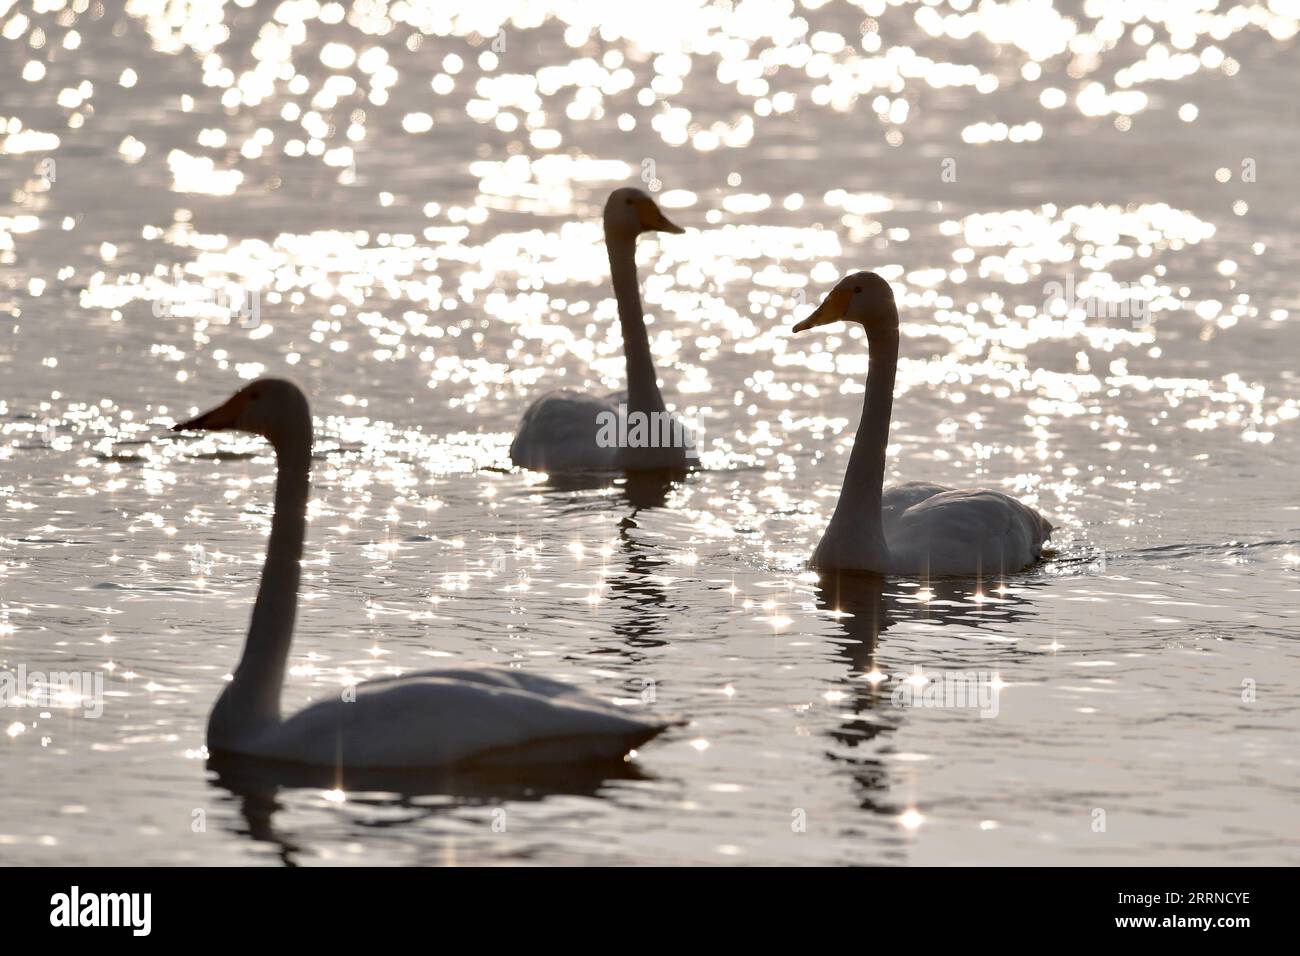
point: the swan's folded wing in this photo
(558, 432)
(496, 677)
(968, 531)
(896, 499)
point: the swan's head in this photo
(274, 408)
(630, 212)
(861, 297)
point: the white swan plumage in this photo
(916, 528)
(562, 430)
(422, 720)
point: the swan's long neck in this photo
(865, 477)
(642, 381)
(252, 700)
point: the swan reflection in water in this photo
(638, 586)
(394, 798)
(864, 607)
(642, 490)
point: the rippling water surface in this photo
(1088, 211)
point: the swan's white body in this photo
(480, 716)
(561, 430)
(422, 720)
(915, 528)
(929, 529)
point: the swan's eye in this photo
(857, 289)
(630, 201)
(254, 395)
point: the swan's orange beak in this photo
(222, 417)
(652, 217)
(831, 310)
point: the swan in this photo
(569, 430)
(438, 718)
(916, 528)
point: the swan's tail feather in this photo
(575, 749)
(651, 731)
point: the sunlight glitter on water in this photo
(398, 205)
